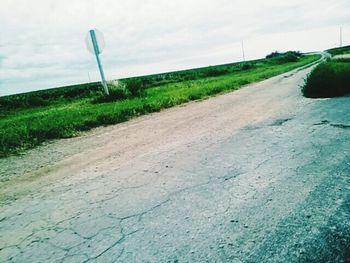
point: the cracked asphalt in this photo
(257, 175)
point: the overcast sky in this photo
(42, 42)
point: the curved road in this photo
(257, 175)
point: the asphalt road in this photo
(258, 175)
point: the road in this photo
(257, 175)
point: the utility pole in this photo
(243, 51)
(341, 37)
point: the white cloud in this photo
(42, 43)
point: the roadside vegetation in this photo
(281, 58)
(339, 51)
(331, 78)
(27, 120)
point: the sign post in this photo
(95, 44)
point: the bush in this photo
(281, 58)
(134, 86)
(291, 58)
(284, 59)
(214, 72)
(329, 79)
(121, 90)
(247, 66)
(117, 91)
(294, 53)
(277, 54)
(37, 101)
(273, 55)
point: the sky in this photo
(42, 42)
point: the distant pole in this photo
(341, 37)
(89, 77)
(243, 51)
(97, 52)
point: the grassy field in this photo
(331, 78)
(339, 50)
(26, 120)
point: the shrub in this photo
(273, 55)
(294, 53)
(291, 58)
(36, 101)
(329, 79)
(247, 66)
(117, 91)
(134, 86)
(281, 58)
(213, 72)
(276, 54)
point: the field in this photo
(331, 78)
(339, 51)
(29, 119)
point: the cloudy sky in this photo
(42, 42)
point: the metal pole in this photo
(97, 52)
(341, 36)
(243, 51)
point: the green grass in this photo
(339, 50)
(29, 119)
(331, 78)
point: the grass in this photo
(32, 118)
(329, 79)
(339, 50)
